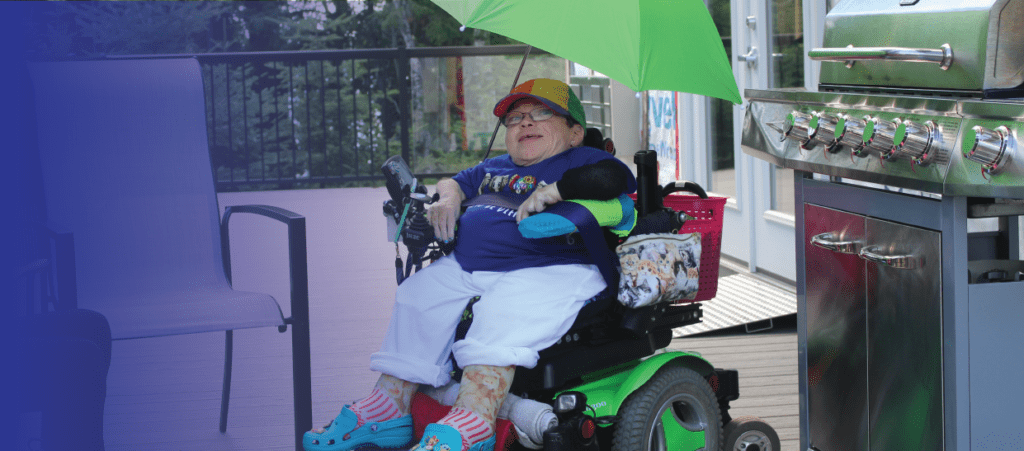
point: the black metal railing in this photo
(296, 119)
(308, 119)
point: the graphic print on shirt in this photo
(515, 183)
(523, 185)
(505, 211)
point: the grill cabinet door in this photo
(836, 342)
(904, 336)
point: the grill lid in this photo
(960, 47)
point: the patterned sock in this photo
(472, 428)
(375, 408)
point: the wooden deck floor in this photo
(164, 393)
(768, 376)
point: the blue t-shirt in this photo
(489, 238)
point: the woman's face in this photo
(530, 142)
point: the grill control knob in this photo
(850, 133)
(880, 135)
(992, 148)
(826, 128)
(800, 127)
(915, 140)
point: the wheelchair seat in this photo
(604, 335)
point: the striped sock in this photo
(472, 428)
(375, 408)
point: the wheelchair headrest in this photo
(594, 138)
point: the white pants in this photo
(519, 313)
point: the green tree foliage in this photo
(289, 120)
(88, 30)
(433, 27)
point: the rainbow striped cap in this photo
(554, 94)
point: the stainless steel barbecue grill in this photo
(909, 189)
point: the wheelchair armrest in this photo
(593, 238)
(277, 213)
(297, 264)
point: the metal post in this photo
(212, 128)
(277, 133)
(301, 374)
(341, 146)
(323, 119)
(291, 120)
(225, 392)
(648, 191)
(801, 299)
(369, 119)
(227, 96)
(404, 103)
(354, 129)
(245, 125)
(309, 122)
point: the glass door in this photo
(721, 157)
(787, 71)
(768, 44)
(725, 165)
(765, 41)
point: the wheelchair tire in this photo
(676, 400)
(750, 433)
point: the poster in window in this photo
(663, 133)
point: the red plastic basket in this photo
(707, 219)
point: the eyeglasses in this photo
(536, 115)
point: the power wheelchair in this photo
(607, 380)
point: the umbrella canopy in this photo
(669, 45)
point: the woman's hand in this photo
(539, 200)
(444, 213)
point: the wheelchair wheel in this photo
(674, 411)
(750, 434)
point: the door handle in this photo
(893, 261)
(750, 58)
(828, 240)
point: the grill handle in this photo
(828, 241)
(943, 55)
(894, 261)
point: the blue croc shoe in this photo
(440, 437)
(342, 434)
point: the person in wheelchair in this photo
(530, 289)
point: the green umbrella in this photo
(669, 45)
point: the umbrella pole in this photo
(514, 84)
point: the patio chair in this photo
(127, 179)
